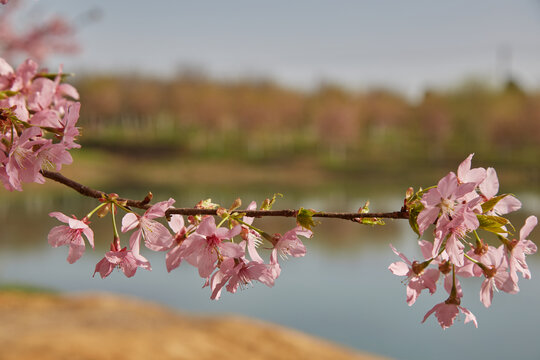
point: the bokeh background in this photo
(329, 103)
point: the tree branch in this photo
(97, 194)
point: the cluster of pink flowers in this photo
(51, 36)
(218, 252)
(38, 116)
(459, 206)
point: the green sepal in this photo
(419, 194)
(304, 218)
(490, 204)
(7, 93)
(415, 209)
(267, 203)
(493, 223)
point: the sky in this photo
(408, 46)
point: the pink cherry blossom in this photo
(418, 277)
(19, 80)
(519, 248)
(53, 156)
(252, 237)
(71, 235)
(447, 311)
(489, 189)
(290, 244)
(69, 129)
(443, 200)
(207, 246)
(179, 245)
(274, 267)
(41, 94)
(32, 100)
(239, 272)
(467, 175)
(156, 236)
(122, 259)
(463, 221)
(22, 164)
(445, 267)
(494, 269)
(53, 35)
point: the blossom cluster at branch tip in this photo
(38, 117)
(458, 207)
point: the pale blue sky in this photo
(407, 45)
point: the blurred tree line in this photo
(257, 119)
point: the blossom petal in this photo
(530, 223)
(403, 257)
(176, 223)
(129, 222)
(468, 316)
(490, 186)
(447, 185)
(224, 233)
(77, 224)
(76, 250)
(464, 167)
(134, 243)
(446, 315)
(158, 210)
(426, 218)
(206, 264)
(63, 218)
(507, 205)
(173, 258)
(59, 235)
(89, 236)
(399, 268)
(486, 292)
(156, 236)
(207, 226)
(231, 250)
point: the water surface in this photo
(342, 290)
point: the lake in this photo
(341, 290)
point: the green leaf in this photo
(52, 76)
(267, 203)
(364, 209)
(490, 204)
(304, 218)
(493, 223)
(371, 221)
(206, 204)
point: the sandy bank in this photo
(99, 326)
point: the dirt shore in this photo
(103, 326)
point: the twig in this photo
(89, 192)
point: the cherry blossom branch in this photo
(97, 194)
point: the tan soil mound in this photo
(43, 327)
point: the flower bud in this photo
(236, 204)
(147, 198)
